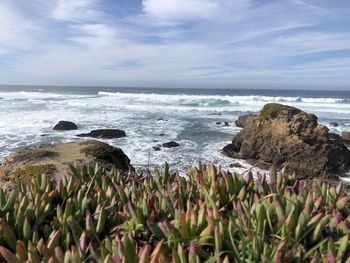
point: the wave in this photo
(212, 100)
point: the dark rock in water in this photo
(299, 100)
(161, 134)
(156, 148)
(170, 144)
(236, 165)
(65, 126)
(161, 119)
(223, 123)
(285, 136)
(241, 120)
(104, 134)
(334, 124)
(346, 136)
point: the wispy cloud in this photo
(76, 10)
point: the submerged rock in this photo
(104, 134)
(53, 160)
(285, 136)
(65, 126)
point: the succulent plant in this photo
(208, 216)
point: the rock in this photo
(345, 136)
(171, 144)
(334, 124)
(65, 126)
(161, 134)
(241, 120)
(285, 136)
(223, 123)
(336, 138)
(236, 165)
(53, 160)
(156, 148)
(104, 134)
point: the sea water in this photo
(151, 117)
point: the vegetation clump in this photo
(29, 171)
(207, 216)
(272, 110)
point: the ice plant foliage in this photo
(209, 216)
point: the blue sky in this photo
(176, 43)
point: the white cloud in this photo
(76, 10)
(179, 10)
(16, 32)
(192, 10)
(95, 35)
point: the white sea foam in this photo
(27, 118)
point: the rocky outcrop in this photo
(104, 134)
(53, 160)
(240, 122)
(65, 126)
(287, 137)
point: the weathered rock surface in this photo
(54, 160)
(241, 120)
(345, 136)
(104, 134)
(287, 137)
(65, 126)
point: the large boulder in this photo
(104, 134)
(65, 126)
(54, 159)
(285, 136)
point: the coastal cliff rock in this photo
(65, 126)
(285, 136)
(53, 160)
(240, 122)
(104, 134)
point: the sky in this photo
(176, 43)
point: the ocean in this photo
(195, 118)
